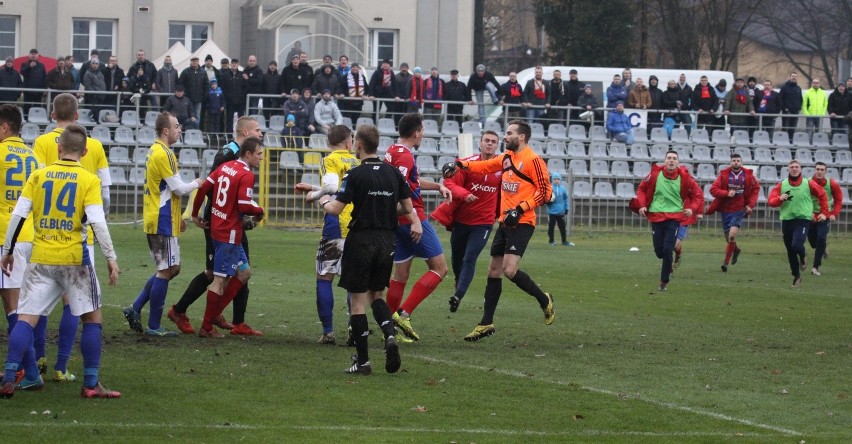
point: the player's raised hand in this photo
(112, 266)
(303, 187)
(7, 263)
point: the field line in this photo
(666, 404)
(345, 428)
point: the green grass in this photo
(719, 357)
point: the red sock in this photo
(394, 297)
(735, 248)
(729, 251)
(422, 289)
(678, 250)
(211, 310)
(231, 290)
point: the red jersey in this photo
(232, 185)
(400, 157)
(744, 184)
(483, 210)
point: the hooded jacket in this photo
(559, 206)
(815, 102)
(614, 93)
(791, 97)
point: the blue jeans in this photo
(534, 113)
(480, 99)
(626, 137)
(795, 231)
(664, 235)
(466, 242)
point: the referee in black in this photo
(379, 194)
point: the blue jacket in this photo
(560, 205)
(215, 100)
(618, 122)
(615, 93)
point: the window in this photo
(383, 44)
(191, 35)
(87, 35)
(8, 36)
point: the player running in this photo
(818, 233)
(735, 193)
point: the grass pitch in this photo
(719, 357)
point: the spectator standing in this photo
(403, 91)
(60, 78)
(558, 97)
(295, 50)
(627, 80)
(616, 92)
(93, 55)
(769, 104)
(639, 97)
(480, 82)
(292, 77)
(181, 107)
(721, 92)
(195, 82)
(234, 88)
(35, 76)
(307, 71)
(215, 105)
(150, 73)
(326, 60)
(383, 86)
(114, 74)
(574, 89)
(557, 211)
(814, 105)
(738, 101)
(512, 93)
(167, 78)
(271, 82)
(433, 89)
(619, 126)
(655, 119)
(839, 105)
(587, 102)
(343, 68)
(326, 79)
(536, 92)
(790, 96)
(141, 84)
(353, 90)
(93, 83)
(415, 98)
(704, 101)
(253, 75)
(687, 104)
(755, 94)
(10, 78)
(69, 63)
(210, 70)
(456, 91)
(326, 113)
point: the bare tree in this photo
(680, 24)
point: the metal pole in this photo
(135, 184)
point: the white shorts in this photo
(44, 286)
(329, 253)
(164, 250)
(22, 253)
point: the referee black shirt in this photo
(374, 188)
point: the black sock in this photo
(359, 332)
(240, 303)
(493, 288)
(381, 312)
(197, 287)
(524, 282)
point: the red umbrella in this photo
(49, 62)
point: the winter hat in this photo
(209, 57)
(619, 103)
(554, 176)
(291, 118)
(588, 85)
(417, 70)
(213, 80)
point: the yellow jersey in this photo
(60, 194)
(18, 163)
(339, 162)
(46, 150)
(161, 206)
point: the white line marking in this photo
(665, 404)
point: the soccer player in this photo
(795, 196)
(683, 230)
(470, 216)
(818, 233)
(94, 161)
(62, 197)
(246, 127)
(17, 164)
(525, 186)
(667, 197)
(735, 193)
(335, 227)
(162, 224)
(374, 189)
(409, 242)
(233, 187)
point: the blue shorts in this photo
(733, 219)
(428, 247)
(682, 232)
(228, 258)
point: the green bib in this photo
(800, 206)
(827, 189)
(667, 197)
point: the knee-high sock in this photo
(729, 251)
(325, 305)
(11, 318)
(382, 315)
(197, 287)
(20, 344)
(159, 290)
(240, 305)
(90, 348)
(421, 290)
(524, 282)
(493, 288)
(211, 310)
(394, 296)
(360, 332)
(40, 337)
(67, 334)
(230, 293)
(144, 295)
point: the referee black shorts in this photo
(511, 240)
(209, 249)
(367, 260)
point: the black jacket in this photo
(195, 83)
(476, 83)
(9, 78)
(839, 104)
(271, 82)
(558, 94)
(574, 89)
(233, 87)
(704, 104)
(147, 67)
(791, 97)
(254, 83)
(456, 91)
(376, 88)
(34, 77)
(293, 78)
(112, 78)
